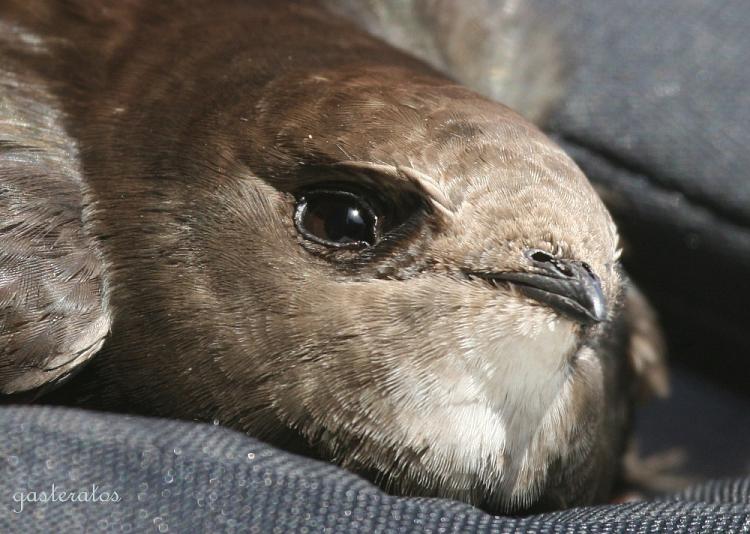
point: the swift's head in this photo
(414, 278)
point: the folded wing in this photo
(53, 307)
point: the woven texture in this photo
(173, 476)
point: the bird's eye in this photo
(337, 219)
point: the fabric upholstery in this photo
(173, 476)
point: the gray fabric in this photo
(657, 113)
(707, 424)
(664, 85)
(176, 476)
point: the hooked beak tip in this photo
(569, 287)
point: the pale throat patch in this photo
(494, 394)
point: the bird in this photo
(259, 214)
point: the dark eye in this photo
(337, 219)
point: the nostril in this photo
(541, 257)
(549, 262)
(588, 268)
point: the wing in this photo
(53, 307)
(504, 49)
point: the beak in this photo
(567, 286)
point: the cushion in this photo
(155, 475)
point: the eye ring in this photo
(349, 219)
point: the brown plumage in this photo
(173, 173)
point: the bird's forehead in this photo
(504, 179)
(515, 190)
(510, 186)
(531, 183)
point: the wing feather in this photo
(53, 307)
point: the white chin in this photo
(500, 409)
